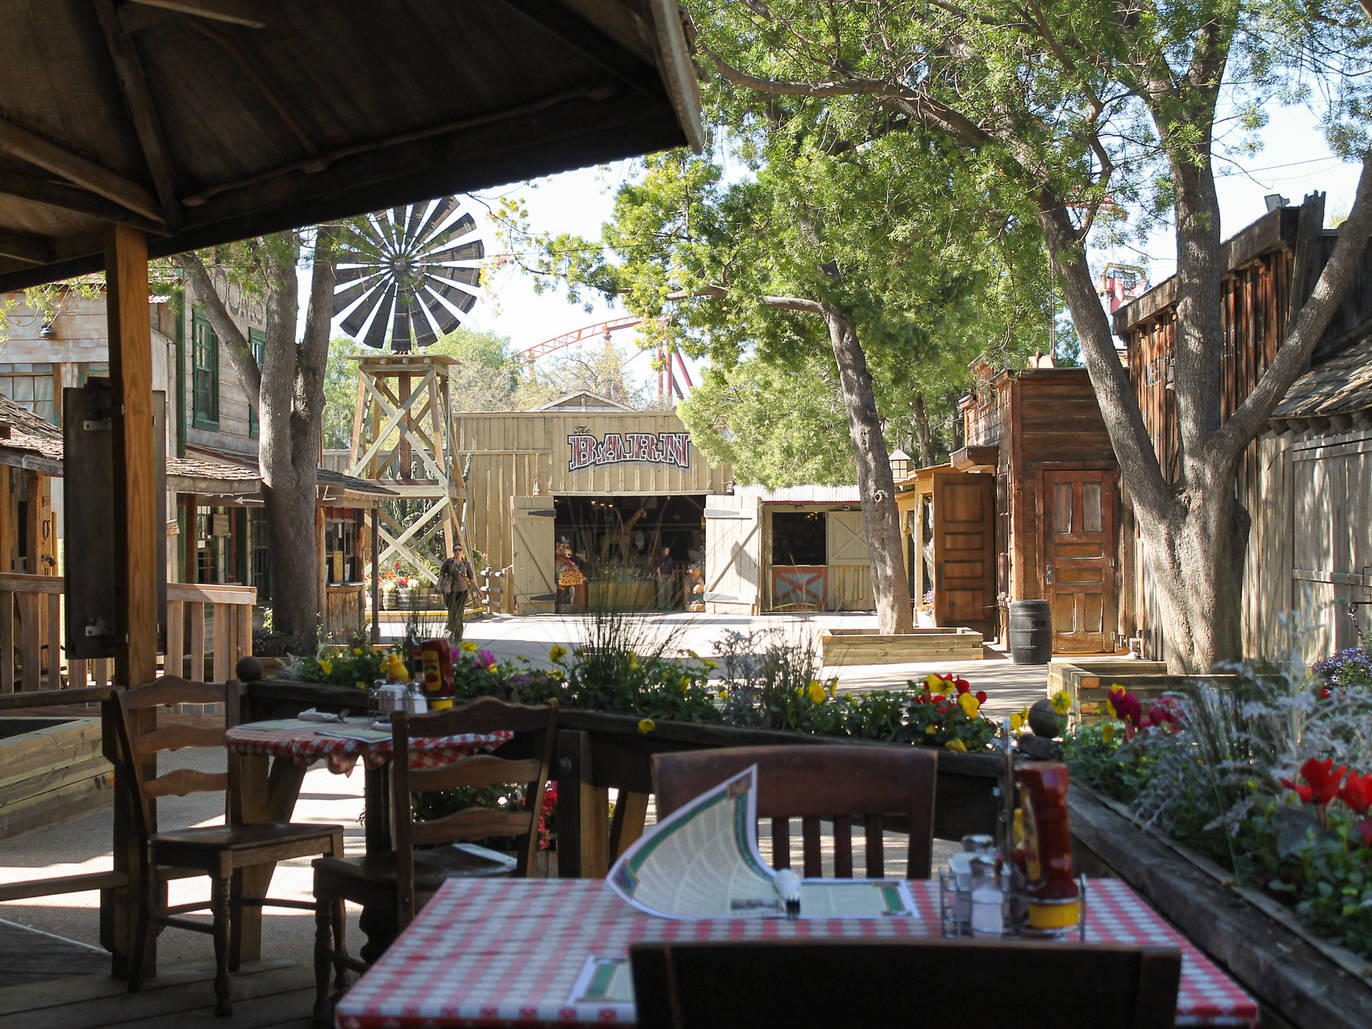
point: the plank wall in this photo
(527, 453)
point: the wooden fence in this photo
(32, 656)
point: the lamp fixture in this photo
(1274, 201)
(48, 331)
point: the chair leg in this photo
(235, 920)
(323, 935)
(340, 945)
(219, 908)
(139, 958)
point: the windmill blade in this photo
(440, 213)
(376, 332)
(400, 326)
(454, 303)
(366, 306)
(440, 234)
(467, 276)
(353, 291)
(473, 251)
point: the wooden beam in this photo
(142, 110)
(51, 193)
(23, 247)
(605, 52)
(136, 525)
(35, 149)
(249, 13)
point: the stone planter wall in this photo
(1089, 681)
(1299, 979)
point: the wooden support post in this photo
(583, 831)
(136, 530)
(376, 577)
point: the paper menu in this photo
(702, 861)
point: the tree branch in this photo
(230, 337)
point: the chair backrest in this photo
(525, 760)
(838, 782)
(799, 983)
(149, 725)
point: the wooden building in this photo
(619, 485)
(1028, 509)
(1306, 485)
(801, 548)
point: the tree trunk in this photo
(875, 483)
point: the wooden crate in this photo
(862, 647)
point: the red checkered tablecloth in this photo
(307, 742)
(508, 952)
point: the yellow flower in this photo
(957, 745)
(708, 664)
(360, 684)
(935, 683)
(833, 688)
(326, 666)
(1107, 732)
(646, 725)
(969, 704)
(1016, 720)
(557, 654)
(930, 730)
(357, 651)
(817, 692)
(693, 654)
(469, 646)
(1116, 688)
(723, 694)
(1062, 701)
(633, 660)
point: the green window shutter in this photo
(204, 373)
(257, 340)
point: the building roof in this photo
(33, 442)
(1336, 394)
(801, 494)
(199, 123)
(213, 473)
(584, 400)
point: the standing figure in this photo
(665, 570)
(455, 577)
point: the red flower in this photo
(1304, 792)
(1365, 831)
(963, 685)
(1324, 777)
(1357, 792)
(1325, 693)
(981, 696)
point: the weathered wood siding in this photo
(521, 454)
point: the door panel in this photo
(533, 558)
(733, 554)
(1078, 546)
(964, 550)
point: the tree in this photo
(289, 390)
(1064, 111)
(812, 253)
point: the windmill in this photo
(406, 271)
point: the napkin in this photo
(319, 716)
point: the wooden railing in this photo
(32, 655)
(231, 608)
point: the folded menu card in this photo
(702, 861)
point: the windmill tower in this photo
(408, 275)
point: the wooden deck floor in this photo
(64, 985)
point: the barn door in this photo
(965, 550)
(1080, 513)
(533, 558)
(733, 554)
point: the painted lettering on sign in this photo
(669, 448)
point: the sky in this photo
(1293, 162)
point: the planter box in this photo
(861, 647)
(1089, 683)
(52, 771)
(1298, 979)
(615, 595)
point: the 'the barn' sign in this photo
(669, 448)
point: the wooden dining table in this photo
(507, 952)
(277, 753)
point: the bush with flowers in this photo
(946, 712)
(1271, 777)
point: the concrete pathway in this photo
(84, 845)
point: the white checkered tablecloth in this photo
(508, 952)
(307, 742)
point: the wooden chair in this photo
(393, 885)
(830, 781)
(221, 852)
(803, 983)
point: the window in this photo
(799, 538)
(205, 373)
(31, 386)
(257, 342)
(261, 563)
(341, 559)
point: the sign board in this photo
(666, 448)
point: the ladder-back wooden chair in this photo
(150, 728)
(834, 782)
(393, 885)
(823, 983)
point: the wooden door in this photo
(533, 558)
(1077, 528)
(965, 550)
(733, 554)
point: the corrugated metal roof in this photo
(801, 494)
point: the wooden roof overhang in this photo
(1333, 397)
(198, 122)
(231, 480)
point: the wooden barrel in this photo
(1031, 632)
